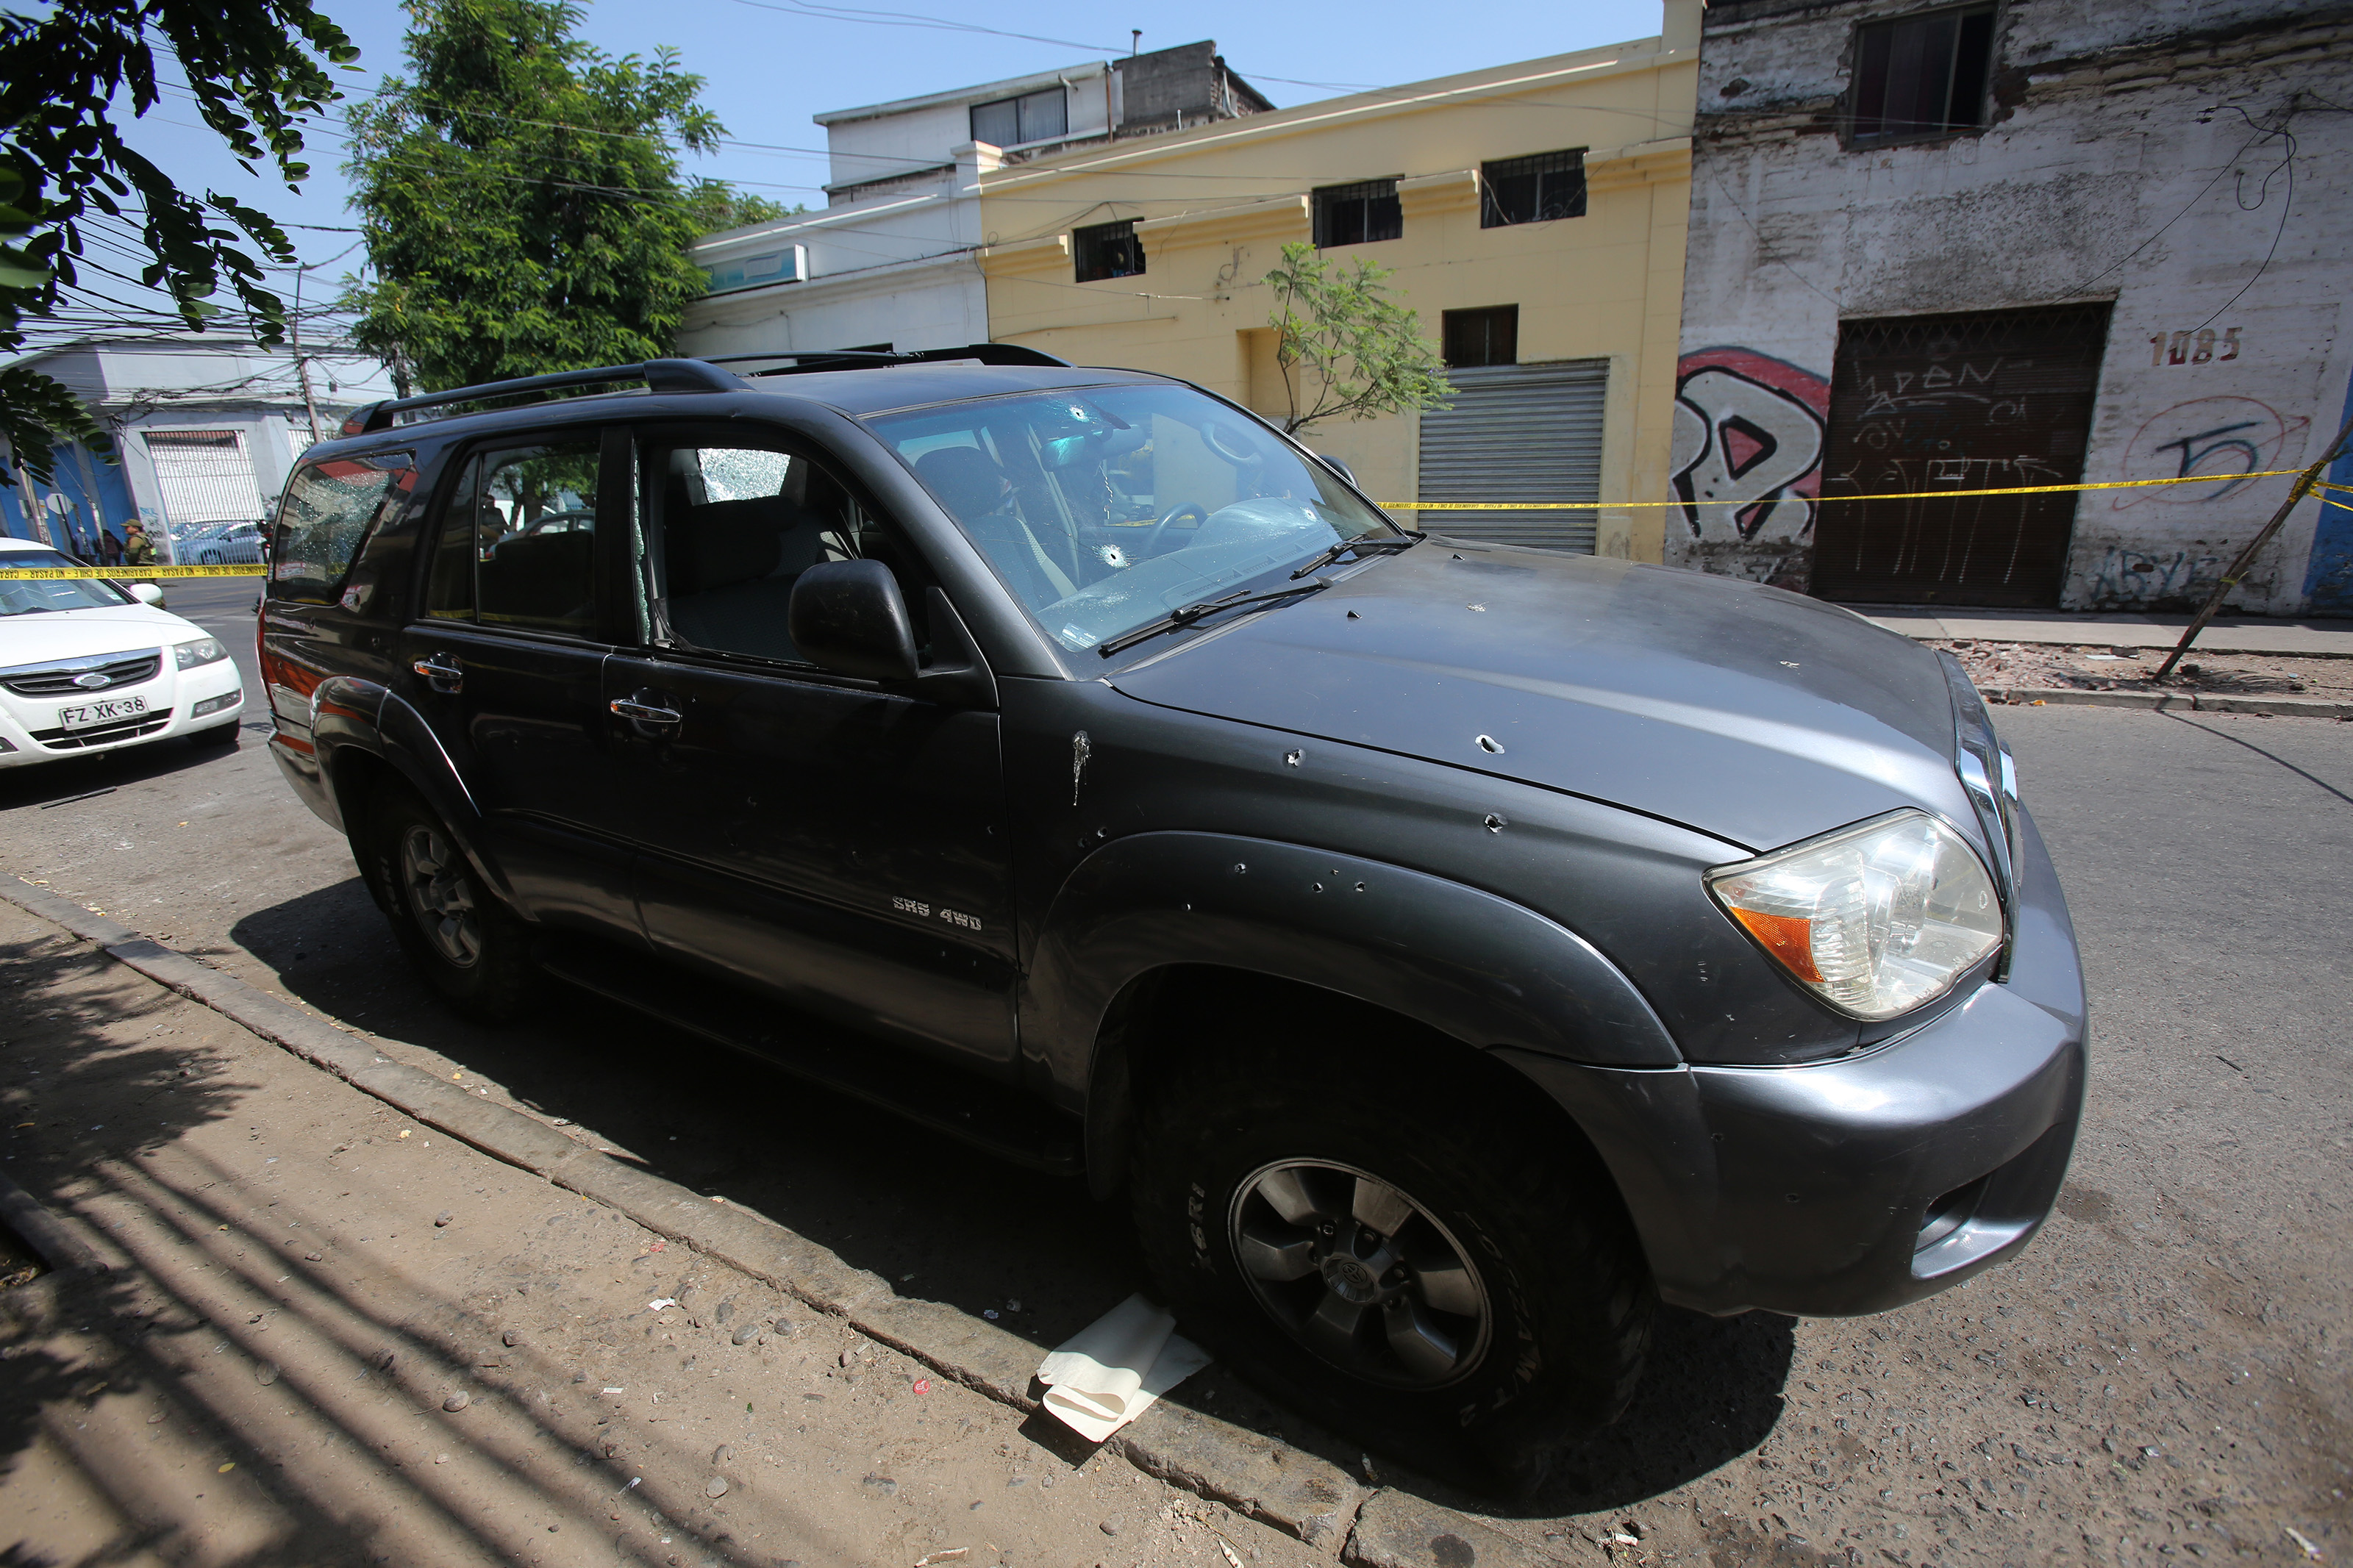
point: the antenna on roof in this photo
(1134, 40)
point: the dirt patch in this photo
(2103, 666)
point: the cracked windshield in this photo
(1110, 508)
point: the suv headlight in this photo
(1876, 918)
(203, 650)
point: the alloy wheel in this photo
(1360, 1274)
(441, 893)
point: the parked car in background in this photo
(238, 544)
(90, 665)
(1452, 950)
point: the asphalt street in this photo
(2162, 1376)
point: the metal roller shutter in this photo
(1983, 401)
(205, 475)
(1518, 432)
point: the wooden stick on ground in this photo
(2246, 557)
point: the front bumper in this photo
(179, 702)
(1858, 1184)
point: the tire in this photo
(469, 946)
(1519, 1313)
(218, 738)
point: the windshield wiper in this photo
(1175, 619)
(1346, 545)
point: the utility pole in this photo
(303, 361)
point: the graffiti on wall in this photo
(1748, 456)
(2223, 436)
(2153, 579)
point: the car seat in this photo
(976, 494)
(546, 580)
(732, 565)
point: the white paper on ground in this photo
(1108, 1372)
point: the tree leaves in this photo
(1347, 349)
(520, 197)
(256, 67)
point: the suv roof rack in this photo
(690, 375)
(659, 375)
(847, 359)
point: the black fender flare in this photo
(350, 713)
(1472, 965)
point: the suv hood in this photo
(1745, 712)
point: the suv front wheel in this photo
(1384, 1235)
(468, 945)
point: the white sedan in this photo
(86, 665)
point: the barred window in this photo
(1358, 214)
(1107, 250)
(1536, 189)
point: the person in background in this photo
(137, 549)
(109, 547)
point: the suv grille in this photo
(61, 677)
(100, 734)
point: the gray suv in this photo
(1448, 951)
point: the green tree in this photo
(521, 197)
(256, 67)
(717, 206)
(1347, 349)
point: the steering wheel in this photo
(1181, 510)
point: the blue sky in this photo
(771, 63)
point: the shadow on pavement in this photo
(58, 782)
(225, 1398)
(938, 1220)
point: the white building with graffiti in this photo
(2017, 244)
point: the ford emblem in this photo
(93, 680)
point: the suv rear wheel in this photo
(469, 946)
(1379, 1234)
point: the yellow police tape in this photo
(149, 574)
(129, 574)
(1911, 495)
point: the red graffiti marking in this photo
(1748, 448)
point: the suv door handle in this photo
(638, 712)
(441, 671)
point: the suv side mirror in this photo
(848, 617)
(1336, 466)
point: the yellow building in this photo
(1533, 214)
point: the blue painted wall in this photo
(97, 489)
(2329, 581)
(12, 512)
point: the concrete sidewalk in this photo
(2320, 637)
(322, 1330)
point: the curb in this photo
(1301, 1494)
(2171, 702)
(66, 1253)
